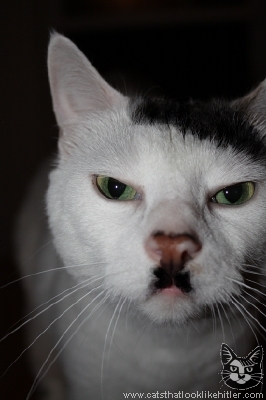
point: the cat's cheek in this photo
(236, 224)
(127, 273)
(212, 278)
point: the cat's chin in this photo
(169, 305)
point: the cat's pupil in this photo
(116, 188)
(233, 193)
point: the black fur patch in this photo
(180, 279)
(214, 120)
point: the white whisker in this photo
(234, 301)
(236, 315)
(221, 321)
(253, 305)
(105, 344)
(255, 273)
(229, 323)
(213, 320)
(112, 337)
(255, 298)
(48, 327)
(139, 336)
(82, 285)
(256, 283)
(128, 306)
(49, 270)
(246, 286)
(38, 250)
(37, 379)
(252, 266)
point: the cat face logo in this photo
(241, 372)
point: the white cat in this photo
(157, 214)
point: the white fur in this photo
(125, 345)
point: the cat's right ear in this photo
(254, 105)
(77, 88)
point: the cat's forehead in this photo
(216, 121)
(123, 146)
(164, 154)
(242, 362)
(200, 140)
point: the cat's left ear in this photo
(254, 105)
(76, 87)
(227, 354)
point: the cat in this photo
(241, 372)
(155, 250)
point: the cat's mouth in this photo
(170, 281)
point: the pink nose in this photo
(172, 249)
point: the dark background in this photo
(180, 48)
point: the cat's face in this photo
(163, 232)
(241, 372)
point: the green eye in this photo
(115, 190)
(235, 194)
